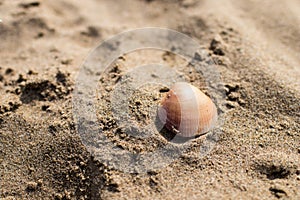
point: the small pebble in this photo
(66, 61)
(58, 196)
(233, 96)
(231, 104)
(218, 46)
(32, 186)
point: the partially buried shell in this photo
(187, 111)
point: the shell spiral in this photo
(187, 111)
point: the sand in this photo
(43, 45)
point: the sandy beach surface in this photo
(255, 46)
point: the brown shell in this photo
(187, 111)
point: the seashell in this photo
(187, 111)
